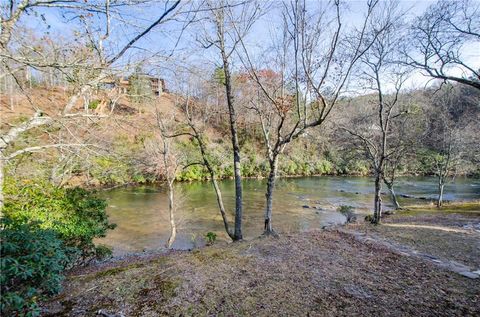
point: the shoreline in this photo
(336, 271)
(458, 206)
(160, 183)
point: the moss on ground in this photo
(453, 207)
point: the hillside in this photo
(123, 145)
(120, 134)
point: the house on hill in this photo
(123, 84)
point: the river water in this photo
(141, 212)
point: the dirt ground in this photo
(319, 273)
(451, 233)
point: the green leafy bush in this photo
(110, 171)
(192, 173)
(32, 262)
(75, 214)
(211, 237)
(323, 167)
(289, 168)
(355, 167)
(227, 171)
(262, 169)
(93, 104)
(348, 212)
(345, 209)
(103, 251)
(248, 169)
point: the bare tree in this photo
(197, 118)
(170, 166)
(452, 126)
(225, 40)
(317, 86)
(440, 39)
(9, 20)
(390, 173)
(379, 70)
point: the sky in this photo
(158, 46)
(60, 21)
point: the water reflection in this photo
(142, 217)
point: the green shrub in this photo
(347, 211)
(228, 171)
(110, 171)
(103, 251)
(427, 160)
(303, 168)
(92, 105)
(354, 167)
(323, 167)
(211, 237)
(248, 169)
(75, 214)
(262, 169)
(139, 178)
(32, 262)
(192, 173)
(289, 168)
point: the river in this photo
(141, 213)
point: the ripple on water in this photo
(142, 218)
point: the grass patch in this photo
(454, 207)
(116, 270)
(166, 286)
(207, 255)
(150, 300)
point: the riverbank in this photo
(320, 272)
(449, 234)
(300, 204)
(206, 179)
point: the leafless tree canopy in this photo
(440, 41)
(267, 77)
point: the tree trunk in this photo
(393, 195)
(378, 199)
(269, 196)
(170, 168)
(236, 150)
(238, 196)
(2, 163)
(171, 209)
(220, 25)
(10, 79)
(441, 185)
(218, 192)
